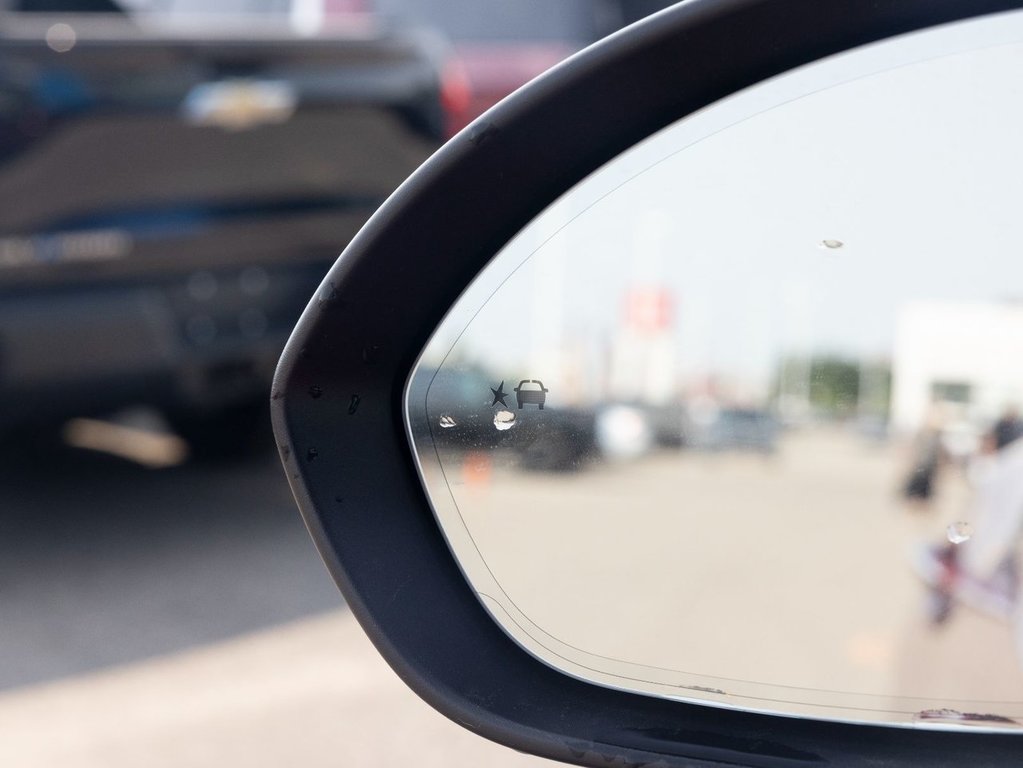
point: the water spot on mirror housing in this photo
(328, 293)
(481, 132)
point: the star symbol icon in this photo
(499, 395)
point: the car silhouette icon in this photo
(530, 395)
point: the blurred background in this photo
(176, 177)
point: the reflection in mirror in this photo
(736, 419)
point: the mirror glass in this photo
(735, 420)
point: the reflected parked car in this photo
(735, 429)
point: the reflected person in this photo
(927, 456)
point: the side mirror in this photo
(666, 415)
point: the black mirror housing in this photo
(338, 410)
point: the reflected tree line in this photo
(832, 387)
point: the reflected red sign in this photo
(649, 310)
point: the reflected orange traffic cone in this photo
(476, 469)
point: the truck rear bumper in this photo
(204, 340)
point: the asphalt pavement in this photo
(104, 561)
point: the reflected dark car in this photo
(459, 407)
(461, 410)
(736, 429)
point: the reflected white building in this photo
(966, 356)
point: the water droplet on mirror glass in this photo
(504, 420)
(831, 245)
(447, 422)
(959, 532)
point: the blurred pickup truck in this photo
(173, 186)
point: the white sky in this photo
(913, 160)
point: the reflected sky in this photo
(918, 186)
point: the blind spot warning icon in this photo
(530, 395)
(499, 395)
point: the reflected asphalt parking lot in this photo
(734, 571)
